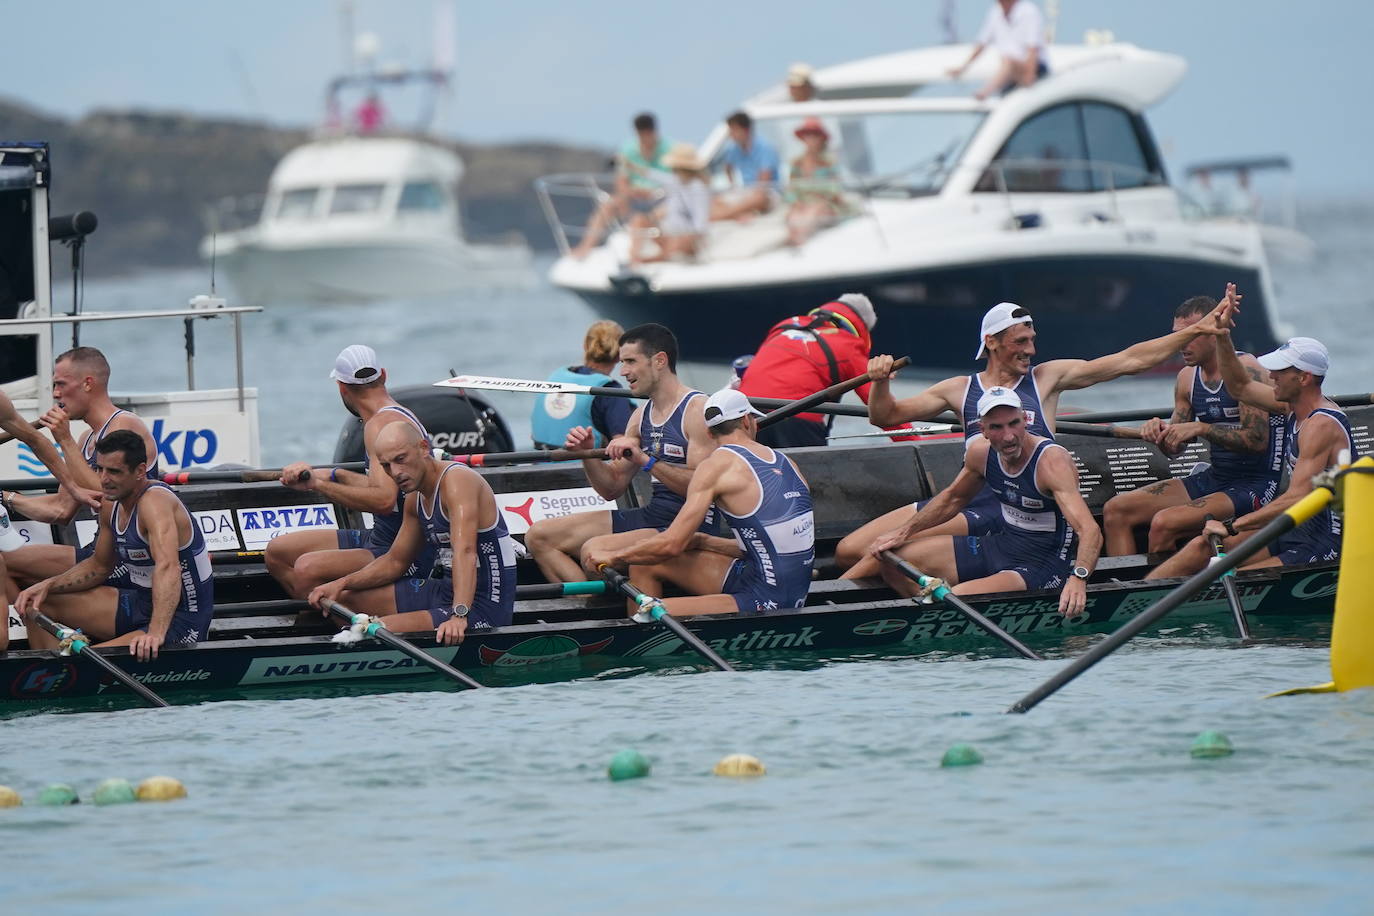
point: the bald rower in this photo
(449, 508)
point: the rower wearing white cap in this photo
(767, 567)
(1036, 485)
(301, 560)
(1317, 433)
(1007, 338)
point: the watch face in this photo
(1081, 572)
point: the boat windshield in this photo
(905, 153)
(356, 198)
(297, 203)
(421, 195)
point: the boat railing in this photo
(571, 200)
(1023, 175)
(201, 308)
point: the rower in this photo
(1008, 339)
(170, 594)
(450, 509)
(301, 560)
(767, 566)
(666, 438)
(1316, 433)
(81, 390)
(1036, 486)
(1246, 451)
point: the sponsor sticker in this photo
(86, 529)
(16, 624)
(880, 627)
(217, 525)
(339, 666)
(524, 508)
(262, 524)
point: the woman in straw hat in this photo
(683, 217)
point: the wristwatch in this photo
(460, 610)
(1081, 572)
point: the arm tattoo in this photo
(1249, 436)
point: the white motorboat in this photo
(1054, 196)
(357, 217)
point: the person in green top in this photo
(639, 174)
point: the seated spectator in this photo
(683, 217)
(1016, 28)
(813, 190)
(799, 85)
(757, 165)
(639, 176)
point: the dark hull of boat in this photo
(1084, 307)
(1274, 599)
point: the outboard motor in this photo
(459, 422)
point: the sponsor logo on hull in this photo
(751, 641)
(523, 509)
(161, 677)
(44, 679)
(880, 627)
(262, 524)
(1318, 585)
(343, 666)
(539, 650)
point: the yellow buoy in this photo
(9, 798)
(740, 766)
(1352, 633)
(160, 788)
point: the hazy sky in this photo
(1265, 77)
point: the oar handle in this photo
(803, 405)
(1228, 585)
(655, 609)
(82, 647)
(377, 631)
(1092, 429)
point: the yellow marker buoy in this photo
(740, 766)
(9, 798)
(160, 788)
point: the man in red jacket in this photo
(806, 353)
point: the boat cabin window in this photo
(356, 198)
(1073, 148)
(297, 204)
(904, 153)
(422, 195)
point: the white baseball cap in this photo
(728, 404)
(356, 365)
(998, 318)
(10, 539)
(799, 74)
(998, 397)
(1305, 353)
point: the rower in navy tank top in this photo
(191, 620)
(665, 442)
(1248, 479)
(1320, 538)
(778, 538)
(493, 599)
(119, 577)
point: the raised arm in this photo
(1057, 476)
(1244, 382)
(885, 410)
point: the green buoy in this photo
(1212, 744)
(114, 792)
(961, 755)
(628, 764)
(58, 794)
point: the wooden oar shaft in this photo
(963, 607)
(383, 635)
(1092, 429)
(1133, 414)
(1228, 585)
(804, 405)
(251, 475)
(533, 456)
(655, 608)
(82, 647)
(1294, 515)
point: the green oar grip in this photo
(584, 588)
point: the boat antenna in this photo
(214, 250)
(949, 22)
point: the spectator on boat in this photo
(449, 510)
(370, 115)
(766, 567)
(666, 438)
(1036, 486)
(1016, 30)
(799, 85)
(301, 560)
(1317, 433)
(814, 192)
(805, 354)
(639, 176)
(1246, 451)
(558, 414)
(168, 597)
(81, 390)
(683, 218)
(1008, 338)
(753, 162)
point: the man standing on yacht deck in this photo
(1016, 28)
(1008, 339)
(666, 438)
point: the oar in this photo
(1108, 416)
(6, 437)
(250, 475)
(530, 386)
(1294, 515)
(79, 644)
(804, 405)
(1228, 585)
(1090, 429)
(656, 611)
(925, 429)
(373, 628)
(560, 589)
(942, 593)
(533, 456)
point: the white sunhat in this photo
(728, 404)
(1305, 353)
(998, 318)
(356, 365)
(998, 397)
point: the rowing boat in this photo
(255, 641)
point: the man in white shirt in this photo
(1016, 28)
